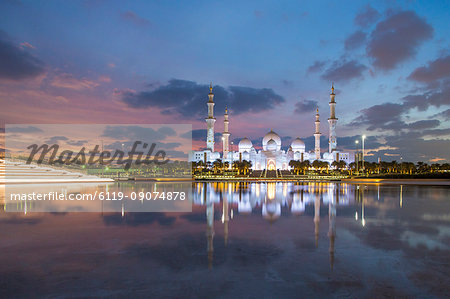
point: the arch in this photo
(271, 165)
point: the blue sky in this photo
(271, 62)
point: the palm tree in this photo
(317, 164)
(242, 167)
(295, 165)
(305, 165)
(352, 167)
(217, 165)
(335, 164)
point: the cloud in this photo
(133, 18)
(138, 133)
(355, 40)
(17, 63)
(435, 70)
(127, 145)
(424, 124)
(104, 79)
(437, 132)
(306, 106)
(27, 45)
(344, 71)
(397, 38)
(437, 98)
(56, 139)
(200, 135)
(316, 66)
(444, 114)
(381, 117)
(367, 16)
(77, 142)
(188, 98)
(29, 129)
(69, 81)
(418, 149)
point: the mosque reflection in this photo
(273, 200)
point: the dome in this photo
(298, 145)
(271, 145)
(274, 136)
(245, 145)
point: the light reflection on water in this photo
(257, 239)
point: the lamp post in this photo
(357, 162)
(363, 137)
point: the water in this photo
(253, 240)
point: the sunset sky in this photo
(270, 62)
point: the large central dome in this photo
(271, 136)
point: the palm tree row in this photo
(244, 167)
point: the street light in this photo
(357, 162)
(363, 137)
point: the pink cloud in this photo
(27, 45)
(104, 79)
(66, 80)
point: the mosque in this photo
(271, 157)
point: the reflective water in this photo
(282, 240)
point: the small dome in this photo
(271, 136)
(245, 145)
(297, 145)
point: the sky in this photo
(271, 63)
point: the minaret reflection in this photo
(209, 229)
(332, 224)
(225, 218)
(317, 218)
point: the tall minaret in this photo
(332, 122)
(210, 120)
(225, 135)
(317, 136)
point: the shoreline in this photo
(436, 182)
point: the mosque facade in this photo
(271, 156)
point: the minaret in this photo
(332, 122)
(210, 120)
(317, 136)
(225, 135)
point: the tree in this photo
(242, 167)
(305, 165)
(352, 167)
(317, 164)
(295, 165)
(217, 165)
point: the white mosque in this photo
(271, 157)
